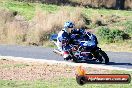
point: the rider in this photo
(86, 36)
(63, 39)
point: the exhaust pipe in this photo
(57, 52)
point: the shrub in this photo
(104, 34)
(111, 36)
(118, 35)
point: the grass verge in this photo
(117, 47)
(58, 83)
(40, 75)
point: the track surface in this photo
(117, 59)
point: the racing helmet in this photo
(69, 24)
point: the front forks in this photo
(97, 55)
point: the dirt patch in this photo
(19, 70)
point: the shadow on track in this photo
(110, 63)
(125, 64)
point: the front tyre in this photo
(104, 57)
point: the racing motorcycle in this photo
(84, 49)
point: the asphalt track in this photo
(117, 59)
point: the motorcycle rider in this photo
(86, 36)
(63, 40)
(83, 35)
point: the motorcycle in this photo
(83, 49)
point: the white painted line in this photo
(64, 63)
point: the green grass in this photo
(121, 46)
(28, 9)
(90, 12)
(49, 8)
(22, 8)
(58, 83)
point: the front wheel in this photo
(104, 57)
